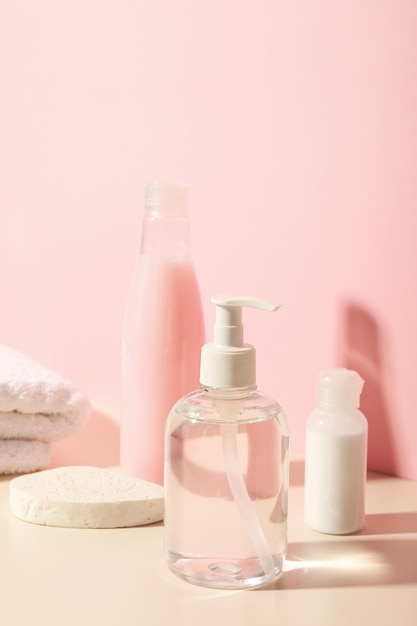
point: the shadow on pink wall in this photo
(361, 350)
(96, 444)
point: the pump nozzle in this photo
(228, 329)
(239, 301)
(228, 362)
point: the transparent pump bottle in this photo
(226, 467)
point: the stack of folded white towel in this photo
(37, 407)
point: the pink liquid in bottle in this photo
(162, 339)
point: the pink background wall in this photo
(295, 125)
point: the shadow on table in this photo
(350, 563)
(390, 523)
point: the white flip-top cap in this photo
(228, 362)
(339, 388)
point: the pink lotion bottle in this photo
(163, 331)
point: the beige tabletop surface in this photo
(117, 577)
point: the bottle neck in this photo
(337, 400)
(337, 406)
(236, 393)
(166, 236)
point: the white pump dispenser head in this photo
(228, 363)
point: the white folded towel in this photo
(20, 456)
(36, 405)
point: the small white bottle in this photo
(336, 455)
(226, 467)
